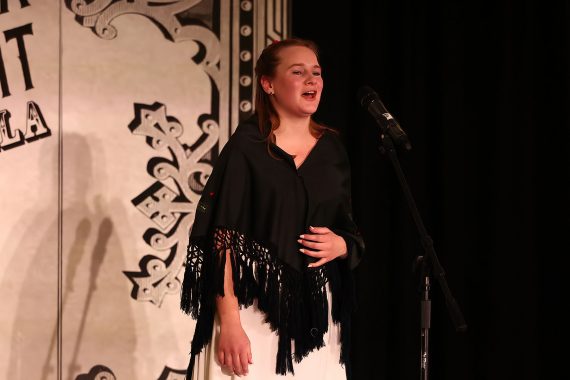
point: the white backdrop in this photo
(111, 113)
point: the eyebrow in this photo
(302, 64)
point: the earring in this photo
(271, 92)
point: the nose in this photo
(310, 79)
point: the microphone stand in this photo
(427, 264)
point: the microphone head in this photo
(367, 95)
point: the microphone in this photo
(369, 99)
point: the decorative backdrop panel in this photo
(112, 114)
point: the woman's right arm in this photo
(234, 350)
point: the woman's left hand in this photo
(323, 244)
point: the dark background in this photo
(481, 88)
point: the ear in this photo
(267, 85)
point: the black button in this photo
(314, 332)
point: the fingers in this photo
(318, 249)
(233, 363)
(317, 241)
(229, 363)
(319, 230)
(316, 246)
(244, 363)
(317, 254)
(237, 367)
(321, 244)
(221, 357)
(313, 237)
(236, 363)
(322, 261)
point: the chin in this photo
(309, 110)
(307, 113)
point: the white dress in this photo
(322, 364)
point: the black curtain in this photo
(481, 88)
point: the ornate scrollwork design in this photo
(170, 209)
(172, 374)
(99, 14)
(98, 372)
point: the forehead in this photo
(291, 55)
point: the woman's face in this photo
(297, 84)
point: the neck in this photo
(293, 126)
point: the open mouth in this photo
(309, 94)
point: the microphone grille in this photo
(366, 95)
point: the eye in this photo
(297, 72)
(317, 73)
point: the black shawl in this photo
(256, 203)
